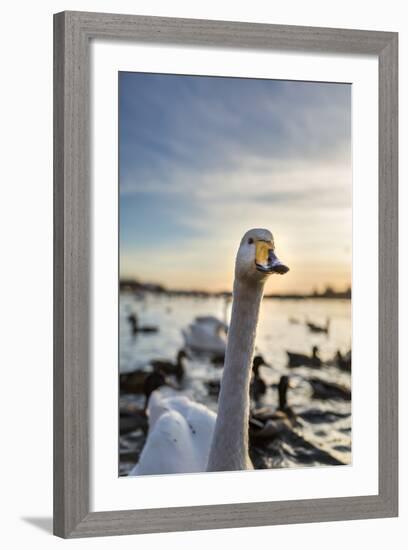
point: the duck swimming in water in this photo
(133, 382)
(279, 428)
(267, 422)
(329, 390)
(318, 328)
(176, 369)
(258, 385)
(302, 360)
(136, 328)
(343, 362)
(131, 417)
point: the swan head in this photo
(256, 258)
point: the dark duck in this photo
(267, 422)
(343, 362)
(329, 390)
(302, 360)
(258, 385)
(170, 368)
(134, 418)
(136, 328)
(319, 329)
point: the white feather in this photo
(180, 435)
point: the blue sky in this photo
(202, 159)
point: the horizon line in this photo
(159, 287)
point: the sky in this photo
(203, 159)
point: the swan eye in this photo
(250, 241)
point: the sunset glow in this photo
(203, 159)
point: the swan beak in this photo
(266, 260)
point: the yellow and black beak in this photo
(266, 260)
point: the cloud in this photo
(206, 122)
(202, 159)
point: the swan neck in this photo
(229, 450)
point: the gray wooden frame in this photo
(72, 34)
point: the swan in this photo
(255, 261)
(179, 437)
(207, 335)
(185, 436)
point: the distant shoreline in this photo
(130, 285)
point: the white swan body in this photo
(179, 440)
(206, 334)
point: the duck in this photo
(258, 384)
(317, 328)
(132, 418)
(171, 368)
(136, 328)
(267, 422)
(329, 390)
(133, 381)
(280, 427)
(343, 362)
(292, 443)
(302, 360)
(320, 416)
(217, 359)
(185, 436)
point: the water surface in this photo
(323, 436)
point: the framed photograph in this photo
(225, 288)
